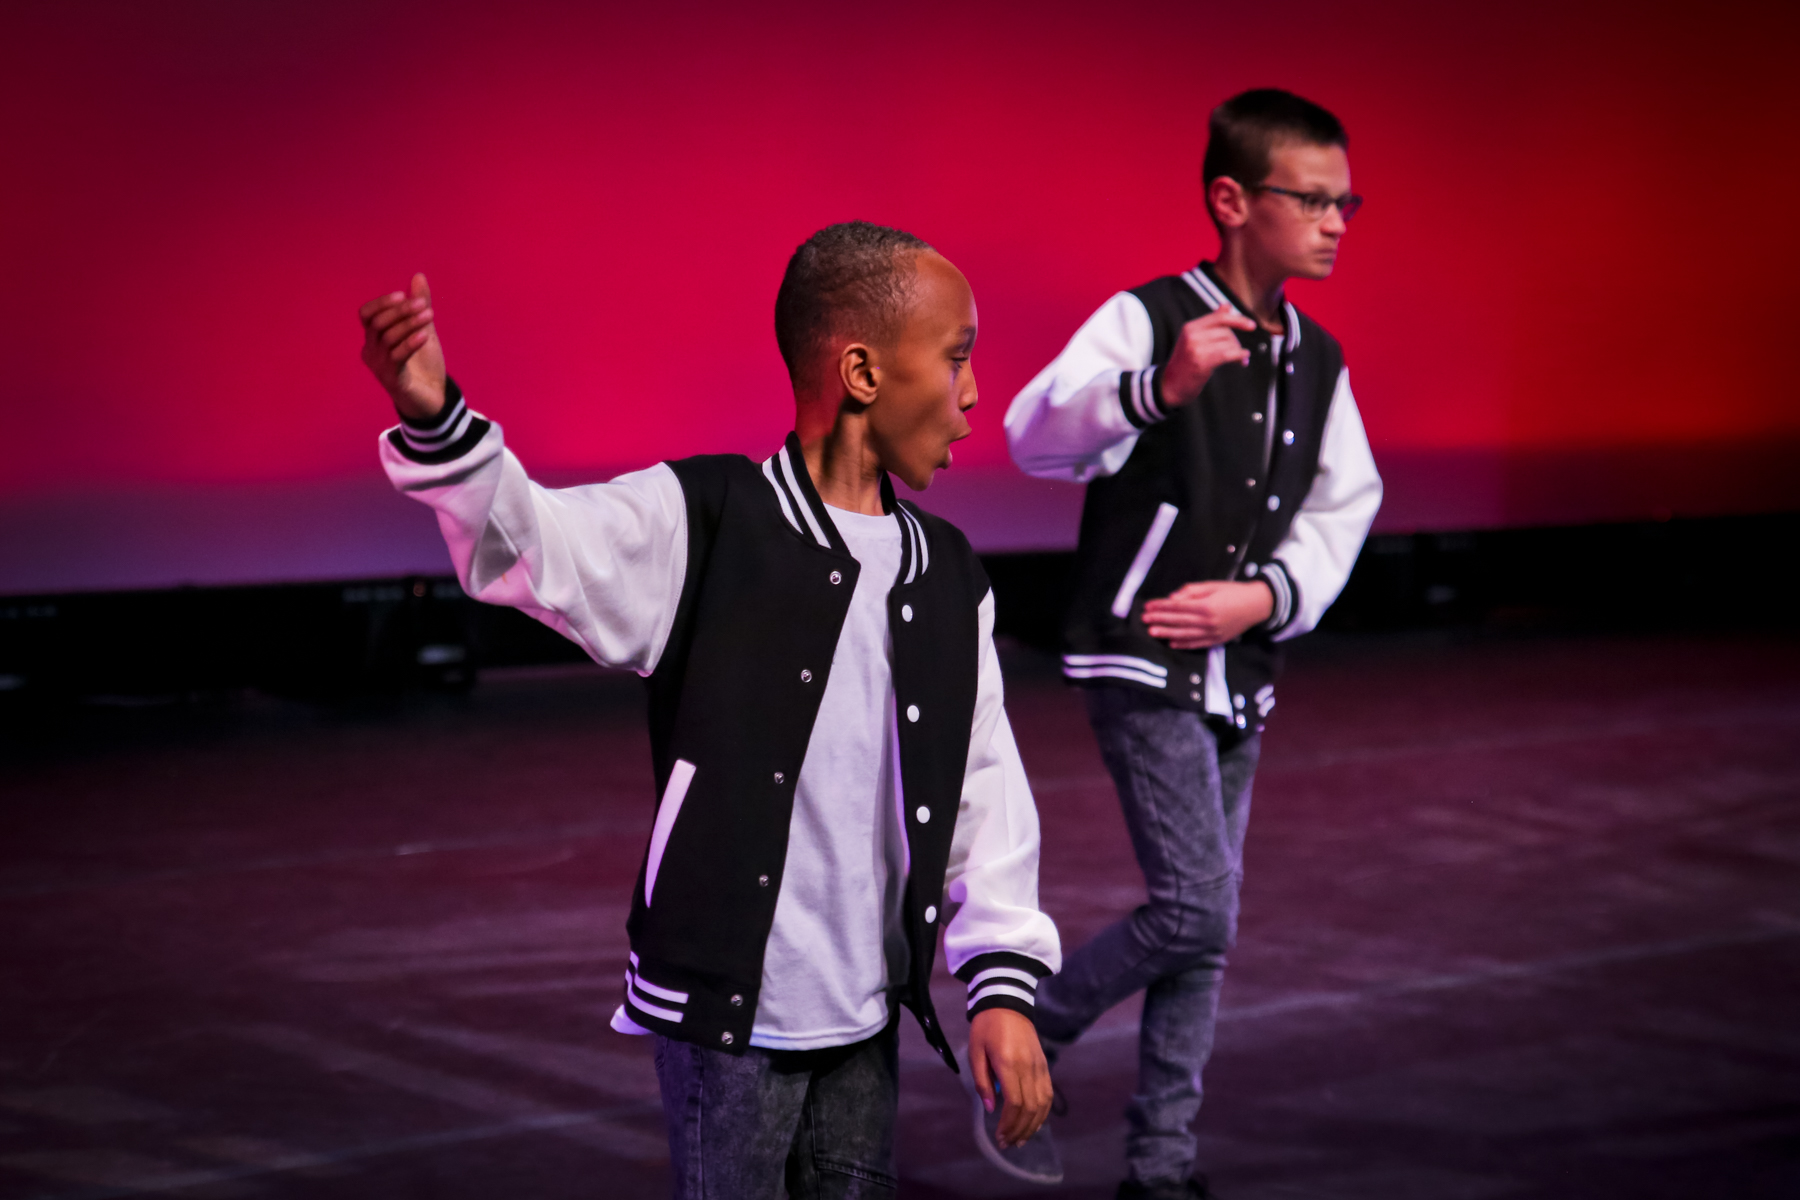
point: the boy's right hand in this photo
(400, 346)
(1205, 344)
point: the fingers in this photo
(1027, 1093)
(1213, 345)
(379, 303)
(1184, 621)
(978, 1071)
(1232, 317)
(415, 299)
(382, 315)
(413, 330)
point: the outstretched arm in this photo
(602, 564)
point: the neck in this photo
(840, 457)
(1256, 284)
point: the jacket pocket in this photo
(1146, 555)
(679, 780)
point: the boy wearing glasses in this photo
(1230, 486)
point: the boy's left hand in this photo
(1199, 616)
(1004, 1049)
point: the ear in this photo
(857, 371)
(1229, 202)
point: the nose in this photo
(1333, 225)
(970, 395)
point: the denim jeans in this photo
(808, 1124)
(1185, 788)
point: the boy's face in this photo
(1275, 228)
(926, 383)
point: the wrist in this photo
(428, 410)
(1278, 585)
(1175, 389)
(1265, 599)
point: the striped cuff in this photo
(450, 434)
(1140, 395)
(1002, 980)
(1281, 584)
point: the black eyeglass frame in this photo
(1348, 204)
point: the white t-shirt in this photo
(838, 943)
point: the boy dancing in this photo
(837, 777)
(1230, 486)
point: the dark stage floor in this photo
(1522, 920)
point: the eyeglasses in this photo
(1314, 204)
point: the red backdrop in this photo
(1577, 236)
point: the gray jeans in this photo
(808, 1124)
(1185, 789)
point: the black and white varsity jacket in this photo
(1266, 475)
(725, 584)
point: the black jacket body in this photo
(1234, 464)
(735, 695)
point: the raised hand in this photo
(401, 349)
(1205, 344)
(1198, 616)
(1004, 1049)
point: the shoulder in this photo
(707, 480)
(705, 474)
(1160, 291)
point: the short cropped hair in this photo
(852, 279)
(1245, 130)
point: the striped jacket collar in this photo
(807, 513)
(1205, 281)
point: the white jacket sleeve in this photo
(601, 564)
(1073, 422)
(997, 941)
(1321, 545)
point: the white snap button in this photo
(1240, 722)
(1231, 549)
(930, 913)
(1257, 417)
(779, 777)
(1249, 570)
(762, 881)
(912, 712)
(923, 815)
(906, 612)
(726, 1037)
(837, 577)
(737, 1002)
(1194, 679)
(805, 676)
(1250, 483)
(1290, 368)
(1238, 699)
(1287, 436)
(1274, 503)
(1195, 696)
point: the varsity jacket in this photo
(1265, 475)
(725, 584)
